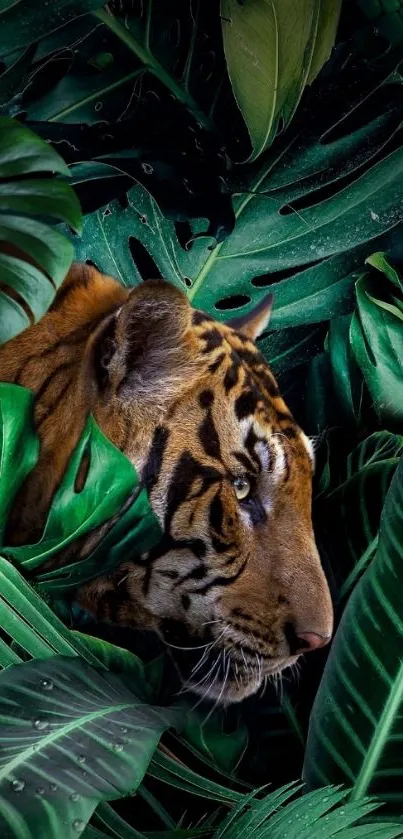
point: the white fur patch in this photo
(279, 464)
(309, 446)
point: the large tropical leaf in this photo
(70, 736)
(110, 482)
(317, 815)
(300, 209)
(352, 508)
(34, 257)
(273, 49)
(356, 724)
(376, 338)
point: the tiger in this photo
(236, 577)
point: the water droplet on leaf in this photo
(41, 790)
(40, 725)
(46, 684)
(74, 796)
(81, 758)
(78, 825)
(17, 785)
(117, 747)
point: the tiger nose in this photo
(311, 641)
(304, 642)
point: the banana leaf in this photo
(355, 731)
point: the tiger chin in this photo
(235, 587)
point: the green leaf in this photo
(336, 229)
(387, 16)
(111, 481)
(224, 751)
(356, 723)
(376, 337)
(21, 25)
(70, 736)
(347, 380)
(273, 49)
(176, 774)
(316, 815)
(356, 499)
(19, 445)
(23, 196)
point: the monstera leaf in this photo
(356, 723)
(302, 229)
(101, 497)
(34, 257)
(273, 49)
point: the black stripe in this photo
(246, 404)
(220, 581)
(206, 398)
(187, 471)
(153, 465)
(213, 367)
(209, 438)
(49, 409)
(77, 336)
(216, 515)
(213, 339)
(220, 546)
(198, 573)
(250, 443)
(246, 462)
(50, 378)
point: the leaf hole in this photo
(264, 280)
(82, 471)
(187, 281)
(184, 233)
(235, 301)
(143, 261)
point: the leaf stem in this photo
(154, 67)
(379, 739)
(95, 95)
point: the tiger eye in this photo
(242, 488)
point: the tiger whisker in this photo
(205, 678)
(224, 684)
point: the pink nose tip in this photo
(312, 641)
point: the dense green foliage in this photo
(140, 104)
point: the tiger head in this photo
(192, 403)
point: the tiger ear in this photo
(142, 350)
(256, 321)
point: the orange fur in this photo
(195, 407)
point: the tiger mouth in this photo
(219, 676)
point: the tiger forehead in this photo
(244, 370)
(248, 380)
